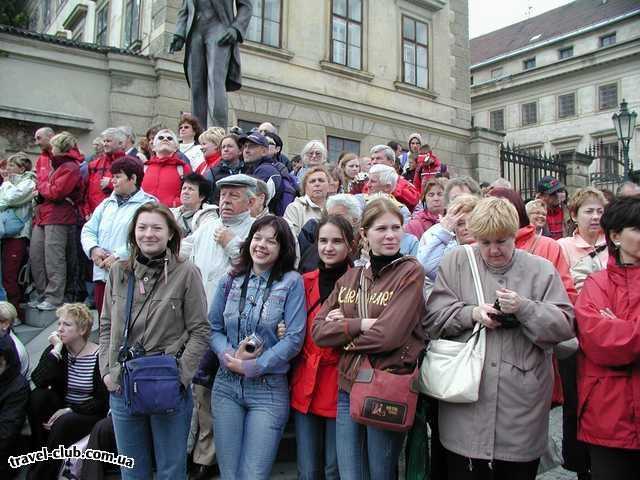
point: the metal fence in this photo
(609, 163)
(524, 169)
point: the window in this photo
(565, 52)
(529, 63)
(337, 145)
(415, 54)
(496, 72)
(608, 155)
(346, 33)
(265, 22)
(496, 120)
(607, 40)
(247, 125)
(78, 30)
(102, 24)
(47, 12)
(566, 105)
(529, 113)
(471, 80)
(608, 96)
(132, 23)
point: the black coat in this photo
(14, 398)
(52, 373)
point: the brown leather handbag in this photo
(380, 398)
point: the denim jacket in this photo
(284, 303)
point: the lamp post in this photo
(625, 123)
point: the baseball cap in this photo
(255, 137)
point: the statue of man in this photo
(212, 58)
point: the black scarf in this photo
(153, 262)
(328, 278)
(378, 262)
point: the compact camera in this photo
(507, 320)
(253, 343)
(134, 351)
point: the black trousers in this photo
(438, 452)
(463, 468)
(68, 429)
(574, 452)
(608, 463)
(103, 438)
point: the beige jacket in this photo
(175, 315)
(510, 419)
(299, 212)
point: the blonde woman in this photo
(59, 195)
(69, 397)
(210, 141)
(504, 433)
(315, 190)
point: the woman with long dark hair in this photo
(314, 396)
(251, 391)
(166, 314)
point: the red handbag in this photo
(380, 398)
(383, 399)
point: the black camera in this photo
(507, 320)
(134, 351)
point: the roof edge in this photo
(552, 40)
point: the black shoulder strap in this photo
(127, 318)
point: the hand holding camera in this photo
(507, 303)
(250, 348)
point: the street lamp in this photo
(625, 123)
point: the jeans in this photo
(148, 437)
(248, 421)
(365, 452)
(316, 447)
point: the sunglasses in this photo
(182, 127)
(162, 137)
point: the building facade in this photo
(552, 83)
(353, 73)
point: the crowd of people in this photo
(237, 289)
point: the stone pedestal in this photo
(577, 170)
(484, 149)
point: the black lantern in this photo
(625, 123)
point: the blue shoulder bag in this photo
(150, 382)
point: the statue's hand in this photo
(176, 44)
(228, 37)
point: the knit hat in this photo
(415, 135)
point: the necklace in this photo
(72, 358)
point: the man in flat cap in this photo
(217, 242)
(212, 31)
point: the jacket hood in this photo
(8, 351)
(59, 160)
(173, 159)
(524, 234)
(76, 155)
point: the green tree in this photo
(14, 13)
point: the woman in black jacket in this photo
(70, 396)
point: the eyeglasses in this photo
(162, 137)
(182, 127)
(314, 154)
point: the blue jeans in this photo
(148, 437)
(316, 447)
(365, 452)
(248, 421)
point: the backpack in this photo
(287, 192)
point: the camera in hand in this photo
(253, 343)
(134, 351)
(507, 320)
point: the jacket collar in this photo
(582, 243)
(623, 275)
(383, 271)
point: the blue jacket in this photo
(284, 303)
(108, 227)
(265, 170)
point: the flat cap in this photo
(239, 180)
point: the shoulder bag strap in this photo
(476, 279)
(127, 318)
